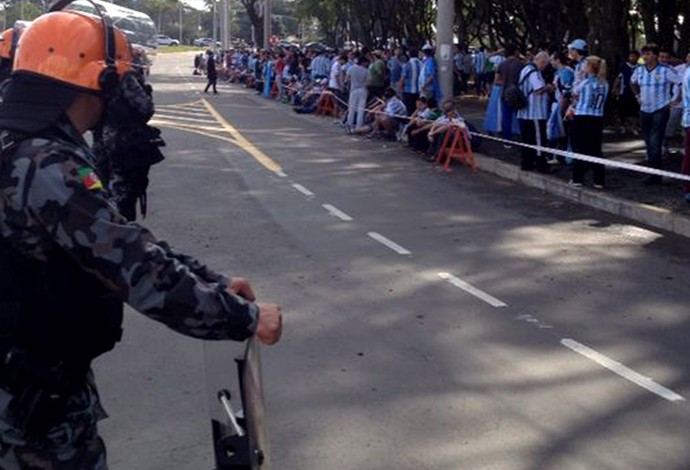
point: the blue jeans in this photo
(653, 131)
(506, 120)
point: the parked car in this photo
(163, 40)
(205, 42)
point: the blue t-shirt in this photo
(395, 69)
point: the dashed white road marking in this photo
(389, 243)
(470, 289)
(303, 190)
(623, 371)
(281, 174)
(337, 212)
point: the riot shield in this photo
(238, 414)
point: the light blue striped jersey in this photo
(411, 72)
(479, 62)
(686, 99)
(656, 86)
(537, 104)
(590, 96)
(320, 67)
(395, 108)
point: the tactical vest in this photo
(54, 312)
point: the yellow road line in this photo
(184, 125)
(196, 130)
(170, 117)
(245, 144)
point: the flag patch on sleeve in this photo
(90, 179)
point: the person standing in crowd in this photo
(578, 51)
(533, 116)
(507, 76)
(357, 78)
(395, 66)
(467, 68)
(336, 80)
(564, 75)
(587, 114)
(320, 66)
(409, 81)
(459, 86)
(428, 79)
(653, 85)
(377, 75)
(211, 72)
(685, 167)
(627, 104)
(479, 66)
(676, 112)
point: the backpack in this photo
(513, 94)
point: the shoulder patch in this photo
(90, 179)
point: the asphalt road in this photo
(432, 320)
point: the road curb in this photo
(643, 213)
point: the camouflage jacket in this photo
(51, 198)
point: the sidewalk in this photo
(661, 206)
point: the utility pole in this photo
(215, 25)
(267, 24)
(21, 9)
(226, 32)
(444, 45)
(181, 8)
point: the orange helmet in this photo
(6, 43)
(74, 48)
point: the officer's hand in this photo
(240, 286)
(270, 323)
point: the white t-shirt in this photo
(336, 77)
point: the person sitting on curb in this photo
(420, 124)
(438, 130)
(387, 116)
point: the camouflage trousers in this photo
(72, 444)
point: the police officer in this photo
(69, 260)
(8, 45)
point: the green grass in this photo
(171, 49)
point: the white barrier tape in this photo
(589, 158)
(539, 148)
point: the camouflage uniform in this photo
(126, 146)
(51, 198)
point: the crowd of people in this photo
(550, 97)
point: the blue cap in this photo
(578, 44)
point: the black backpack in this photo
(513, 94)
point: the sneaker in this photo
(574, 184)
(598, 186)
